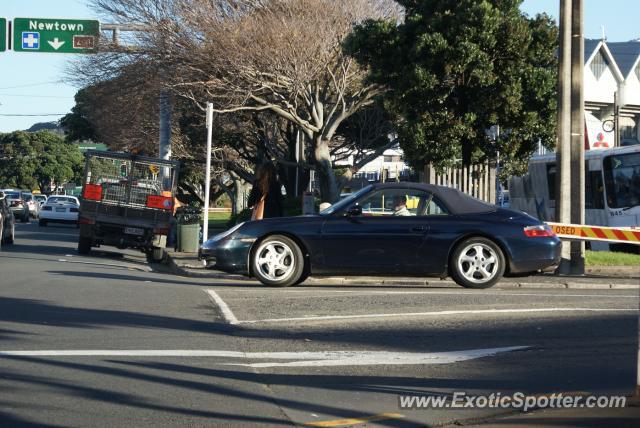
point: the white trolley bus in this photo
(612, 189)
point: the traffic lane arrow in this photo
(56, 44)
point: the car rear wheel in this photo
(278, 261)
(11, 238)
(477, 263)
(84, 245)
(42, 223)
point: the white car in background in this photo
(59, 209)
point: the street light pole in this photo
(207, 180)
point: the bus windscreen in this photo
(622, 180)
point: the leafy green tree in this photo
(76, 124)
(454, 69)
(35, 160)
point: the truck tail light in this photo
(161, 231)
(92, 192)
(160, 202)
(539, 231)
(84, 220)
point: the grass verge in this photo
(608, 258)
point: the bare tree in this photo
(278, 56)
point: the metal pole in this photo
(297, 161)
(577, 133)
(165, 125)
(563, 149)
(616, 119)
(207, 180)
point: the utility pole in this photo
(563, 148)
(577, 133)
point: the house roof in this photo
(626, 55)
(590, 45)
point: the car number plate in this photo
(133, 231)
(61, 210)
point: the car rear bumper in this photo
(54, 217)
(538, 254)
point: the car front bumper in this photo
(228, 255)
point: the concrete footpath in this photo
(599, 277)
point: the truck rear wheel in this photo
(84, 245)
(155, 255)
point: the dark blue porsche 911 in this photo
(407, 229)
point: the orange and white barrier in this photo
(625, 235)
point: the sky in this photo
(32, 83)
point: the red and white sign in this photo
(594, 136)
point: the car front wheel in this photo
(278, 261)
(477, 263)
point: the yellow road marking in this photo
(354, 421)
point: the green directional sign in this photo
(55, 35)
(3, 34)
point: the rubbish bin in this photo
(188, 224)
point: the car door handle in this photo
(418, 229)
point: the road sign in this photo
(3, 34)
(55, 35)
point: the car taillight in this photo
(46, 208)
(83, 220)
(73, 210)
(92, 192)
(161, 202)
(541, 230)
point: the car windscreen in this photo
(12, 195)
(622, 180)
(346, 202)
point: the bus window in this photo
(551, 181)
(622, 180)
(594, 190)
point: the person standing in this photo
(265, 198)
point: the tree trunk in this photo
(328, 183)
(238, 195)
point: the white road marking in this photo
(436, 313)
(299, 359)
(227, 314)
(458, 293)
(388, 358)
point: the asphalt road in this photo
(107, 340)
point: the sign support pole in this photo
(207, 180)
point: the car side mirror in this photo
(354, 211)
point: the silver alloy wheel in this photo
(478, 263)
(274, 260)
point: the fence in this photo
(477, 180)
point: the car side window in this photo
(434, 207)
(395, 202)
